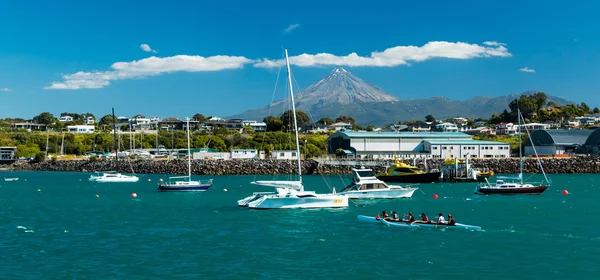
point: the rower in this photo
(424, 219)
(395, 216)
(410, 217)
(441, 219)
(451, 220)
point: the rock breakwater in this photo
(589, 164)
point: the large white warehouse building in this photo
(414, 145)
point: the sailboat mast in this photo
(520, 148)
(189, 154)
(115, 140)
(287, 62)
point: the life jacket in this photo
(425, 219)
(377, 217)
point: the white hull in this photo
(114, 178)
(380, 193)
(415, 224)
(11, 179)
(244, 201)
(298, 200)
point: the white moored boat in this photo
(190, 185)
(291, 194)
(366, 185)
(112, 177)
(11, 179)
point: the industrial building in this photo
(559, 141)
(387, 145)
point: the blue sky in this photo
(218, 57)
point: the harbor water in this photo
(61, 226)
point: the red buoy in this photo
(565, 192)
(133, 195)
(435, 196)
(160, 180)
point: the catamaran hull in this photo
(517, 190)
(245, 201)
(167, 188)
(413, 178)
(278, 202)
(390, 193)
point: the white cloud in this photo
(400, 55)
(527, 70)
(150, 66)
(4, 89)
(291, 27)
(147, 48)
(493, 43)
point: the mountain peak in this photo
(341, 87)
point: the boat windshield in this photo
(366, 173)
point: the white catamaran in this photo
(512, 185)
(291, 194)
(113, 176)
(176, 184)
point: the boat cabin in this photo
(364, 179)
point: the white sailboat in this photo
(291, 194)
(176, 184)
(512, 185)
(113, 176)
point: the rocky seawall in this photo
(271, 167)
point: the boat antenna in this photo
(189, 156)
(520, 147)
(289, 72)
(115, 141)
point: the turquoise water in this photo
(63, 231)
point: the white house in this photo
(446, 127)
(534, 126)
(337, 126)
(244, 153)
(256, 126)
(89, 120)
(281, 154)
(81, 128)
(506, 129)
(65, 119)
(139, 122)
(460, 120)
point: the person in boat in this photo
(441, 219)
(410, 218)
(451, 221)
(424, 219)
(383, 215)
(395, 216)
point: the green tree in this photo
(44, 118)
(107, 122)
(200, 118)
(325, 121)
(370, 128)
(274, 123)
(288, 118)
(430, 118)
(585, 108)
(346, 119)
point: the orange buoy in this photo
(565, 192)
(435, 196)
(133, 195)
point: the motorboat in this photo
(366, 185)
(112, 177)
(10, 179)
(400, 172)
(291, 194)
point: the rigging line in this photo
(262, 144)
(534, 149)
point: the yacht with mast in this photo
(515, 185)
(176, 184)
(291, 194)
(114, 176)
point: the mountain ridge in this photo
(341, 93)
